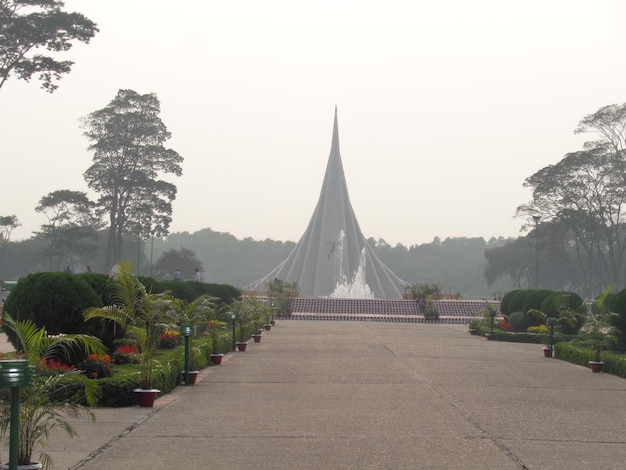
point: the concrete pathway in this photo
(366, 395)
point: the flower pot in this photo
(473, 331)
(489, 336)
(146, 397)
(268, 327)
(193, 376)
(28, 466)
(241, 346)
(259, 331)
(272, 322)
(547, 352)
(256, 338)
(216, 359)
(596, 366)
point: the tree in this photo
(28, 25)
(72, 225)
(7, 224)
(183, 259)
(127, 138)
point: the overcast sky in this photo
(444, 108)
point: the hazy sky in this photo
(445, 108)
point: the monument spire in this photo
(333, 257)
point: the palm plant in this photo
(140, 315)
(39, 411)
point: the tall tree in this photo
(171, 260)
(72, 226)
(29, 25)
(7, 224)
(127, 139)
(586, 192)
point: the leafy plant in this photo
(39, 412)
(139, 315)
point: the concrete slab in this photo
(369, 395)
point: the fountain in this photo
(356, 288)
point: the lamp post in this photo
(15, 374)
(537, 218)
(233, 317)
(187, 331)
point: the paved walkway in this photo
(365, 395)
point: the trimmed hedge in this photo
(614, 364)
(53, 300)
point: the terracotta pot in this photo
(268, 327)
(257, 338)
(242, 346)
(473, 332)
(547, 352)
(193, 376)
(489, 336)
(145, 397)
(596, 366)
(216, 359)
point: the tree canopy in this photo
(27, 26)
(72, 226)
(127, 138)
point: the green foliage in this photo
(126, 167)
(516, 303)
(182, 290)
(55, 300)
(39, 412)
(519, 321)
(618, 305)
(28, 33)
(139, 315)
(424, 291)
(173, 259)
(535, 317)
(506, 302)
(535, 298)
(152, 285)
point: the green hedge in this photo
(614, 364)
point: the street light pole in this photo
(537, 218)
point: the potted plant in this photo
(598, 331)
(431, 313)
(141, 316)
(41, 405)
(473, 326)
(219, 340)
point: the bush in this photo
(505, 302)
(535, 317)
(618, 305)
(53, 300)
(516, 304)
(518, 320)
(535, 298)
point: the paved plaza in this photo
(368, 395)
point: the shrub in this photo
(53, 300)
(505, 302)
(535, 298)
(618, 305)
(516, 304)
(96, 367)
(518, 320)
(535, 317)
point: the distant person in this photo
(178, 276)
(67, 269)
(197, 276)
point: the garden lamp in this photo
(15, 374)
(551, 322)
(233, 317)
(187, 331)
